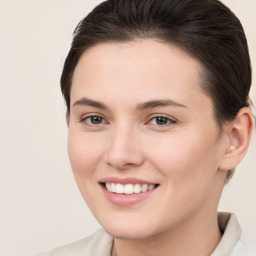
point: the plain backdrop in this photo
(40, 205)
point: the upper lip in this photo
(123, 181)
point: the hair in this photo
(206, 29)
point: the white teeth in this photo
(137, 188)
(113, 187)
(144, 188)
(119, 189)
(108, 186)
(150, 187)
(128, 188)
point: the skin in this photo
(186, 155)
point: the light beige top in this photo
(100, 243)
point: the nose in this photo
(124, 150)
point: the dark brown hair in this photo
(206, 29)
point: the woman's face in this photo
(139, 122)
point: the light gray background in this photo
(40, 205)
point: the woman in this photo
(158, 115)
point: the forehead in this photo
(143, 54)
(142, 69)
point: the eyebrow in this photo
(159, 103)
(141, 106)
(89, 102)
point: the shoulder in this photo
(98, 244)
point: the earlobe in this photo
(239, 134)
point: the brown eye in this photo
(161, 120)
(94, 120)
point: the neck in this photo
(194, 237)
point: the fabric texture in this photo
(100, 243)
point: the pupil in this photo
(96, 120)
(161, 120)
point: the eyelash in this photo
(167, 119)
(164, 118)
(90, 117)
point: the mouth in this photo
(128, 189)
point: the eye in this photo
(161, 121)
(94, 120)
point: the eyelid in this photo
(84, 117)
(172, 121)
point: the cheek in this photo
(189, 169)
(189, 163)
(84, 153)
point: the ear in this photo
(239, 133)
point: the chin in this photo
(128, 231)
(128, 234)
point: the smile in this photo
(128, 189)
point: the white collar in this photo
(231, 230)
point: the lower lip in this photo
(124, 199)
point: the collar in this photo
(231, 230)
